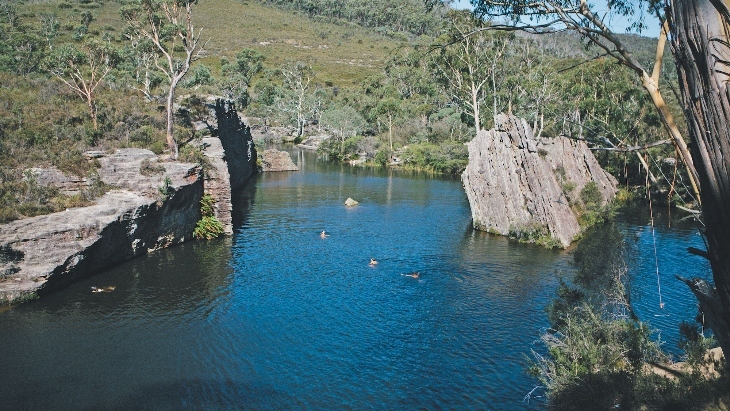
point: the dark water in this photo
(277, 318)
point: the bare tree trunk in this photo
(390, 131)
(700, 35)
(92, 111)
(475, 107)
(170, 138)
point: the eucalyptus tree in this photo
(168, 24)
(83, 70)
(389, 110)
(237, 76)
(49, 26)
(344, 122)
(143, 56)
(298, 77)
(466, 63)
(699, 31)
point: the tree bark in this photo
(700, 33)
(171, 143)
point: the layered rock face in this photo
(153, 205)
(232, 155)
(516, 184)
(143, 213)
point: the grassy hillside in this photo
(343, 54)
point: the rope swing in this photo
(653, 236)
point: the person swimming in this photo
(414, 274)
(373, 262)
(323, 234)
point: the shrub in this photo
(598, 350)
(534, 234)
(208, 227)
(147, 168)
(591, 196)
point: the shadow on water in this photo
(75, 347)
(242, 201)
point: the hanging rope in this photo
(681, 181)
(671, 188)
(653, 236)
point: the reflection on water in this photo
(277, 318)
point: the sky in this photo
(618, 24)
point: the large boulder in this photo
(275, 160)
(519, 186)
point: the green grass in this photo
(342, 55)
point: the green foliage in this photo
(598, 350)
(593, 211)
(388, 15)
(191, 153)
(166, 190)
(534, 233)
(200, 74)
(695, 345)
(382, 157)
(208, 227)
(24, 298)
(449, 158)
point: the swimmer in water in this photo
(373, 262)
(324, 235)
(414, 274)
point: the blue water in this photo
(278, 318)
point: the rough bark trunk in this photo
(700, 33)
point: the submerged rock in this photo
(520, 186)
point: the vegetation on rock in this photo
(208, 227)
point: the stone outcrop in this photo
(143, 213)
(528, 188)
(232, 156)
(153, 205)
(275, 160)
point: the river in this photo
(278, 318)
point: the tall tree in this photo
(344, 122)
(389, 110)
(297, 78)
(83, 70)
(467, 61)
(168, 24)
(700, 34)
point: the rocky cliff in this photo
(232, 155)
(142, 213)
(528, 188)
(153, 205)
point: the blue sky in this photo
(617, 24)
